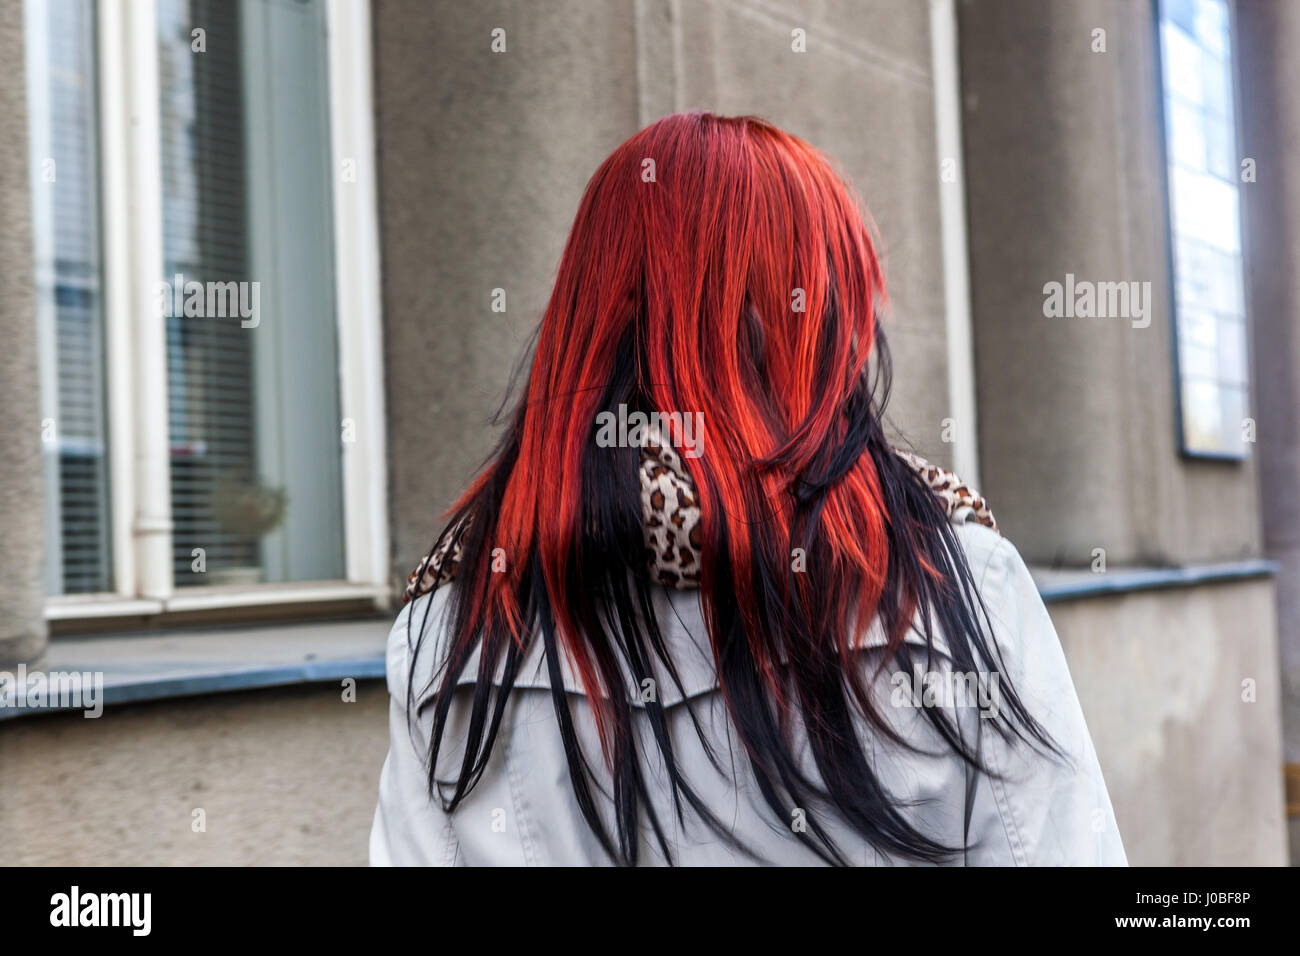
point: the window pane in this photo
(1233, 416)
(1205, 208)
(1205, 227)
(1198, 363)
(1232, 354)
(1219, 156)
(65, 198)
(1218, 93)
(251, 341)
(1212, 27)
(1182, 65)
(1202, 414)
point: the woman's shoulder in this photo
(994, 562)
(415, 638)
(962, 503)
(1018, 619)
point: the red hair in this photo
(719, 266)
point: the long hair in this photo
(716, 265)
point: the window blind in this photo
(246, 187)
(65, 175)
(205, 239)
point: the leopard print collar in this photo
(671, 519)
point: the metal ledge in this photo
(140, 667)
(1075, 584)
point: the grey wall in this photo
(1078, 444)
(1268, 34)
(1191, 766)
(863, 94)
(22, 588)
(285, 777)
(483, 158)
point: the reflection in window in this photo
(1205, 226)
(252, 368)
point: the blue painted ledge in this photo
(1075, 584)
(181, 663)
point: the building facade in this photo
(270, 264)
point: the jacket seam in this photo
(516, 796)
(1001, 802)
(451, 845)
(450, 842)
(1006, 816)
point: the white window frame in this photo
(135, 335)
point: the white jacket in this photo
(1038, 811)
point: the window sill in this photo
(84, 613)
(141, 667)
(1074, 584)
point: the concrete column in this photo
(22, 588)
(1268, 35)
(1065, 175)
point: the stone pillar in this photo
(1065, 176)
(22, 586)
(1268, 35)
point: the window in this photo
(253, 399)
(1204, 176)
(204, 218)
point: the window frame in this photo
(1185, 450)
(135, 336)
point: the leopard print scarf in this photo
(671, 519)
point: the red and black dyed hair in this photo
(678, 292)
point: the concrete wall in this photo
(1191, 766)
(1078, 442)
(1078, 434)
(1268, 33)
(286, 777)
(483, 158)
(22, 585)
